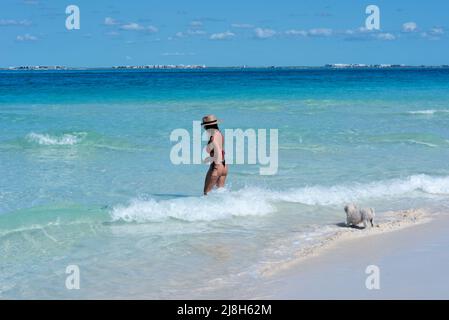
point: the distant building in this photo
(38, 68)
(362, 65)
(158, 66)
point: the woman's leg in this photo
(221, 181)
(222, 178)
(211, 179)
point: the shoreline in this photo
(412, 263)
(390, 221)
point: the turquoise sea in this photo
(86, 177)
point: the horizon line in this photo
(202, 66)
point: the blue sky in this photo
(223, 33)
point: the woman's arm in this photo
(210, 144)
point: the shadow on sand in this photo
(344, 225)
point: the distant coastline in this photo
(196, 67)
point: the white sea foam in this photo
(427, 144)
(318, 195)
(217, 205)
(252, 201)
(49, 140)
(428, 112)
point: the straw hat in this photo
(209, 120)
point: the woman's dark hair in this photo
(211, 126)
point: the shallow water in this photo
(86, 178)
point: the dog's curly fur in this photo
(355, 216)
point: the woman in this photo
(218, 170)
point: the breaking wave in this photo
(253, 201)
(217, 205)
(428, 112)
(67, 139)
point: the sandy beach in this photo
(412, 258)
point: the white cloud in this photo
(356, 34)
(152, 29)
(132, 26)
(264, 33)
(293, 32)
(386, 36)
(12, 22)
(364, 30)
(195, 32)
(320, 32)
(349, 32)
(242, 25)
(363, 34)
(437, 31)
(190, 32)
(110, 21)
(433, 34)
(409, 27)
(178, 54)
(196, 24)
(26, 37)
(137, 27)
(113, 33)
(222, 35)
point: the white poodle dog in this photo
(355, 216)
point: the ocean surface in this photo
(86, 177)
